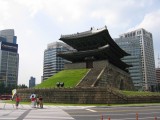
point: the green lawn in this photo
(70, 78)
(62, 104)
(140, 93)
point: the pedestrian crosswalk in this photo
(51, 114)
(26, 112)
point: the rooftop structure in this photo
(8, 34)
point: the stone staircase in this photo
(90, 79)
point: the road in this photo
(25, 112)
(116, 113)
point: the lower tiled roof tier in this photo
(102, 53)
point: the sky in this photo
(39, 22)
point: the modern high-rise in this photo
(139, 43)
(32, 82)
(9, 58)
(158, 75)
(53, 64)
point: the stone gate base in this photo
(84, 96)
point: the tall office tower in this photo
(53, 64)
(158, 72)
(139, 44)
(158, 76)
(9, 58)
(32, 82)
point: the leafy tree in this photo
(22, 86)
(8, 89)
(2, 87)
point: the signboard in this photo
(9, 47)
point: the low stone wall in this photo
(72, 95)
(84, 95)
(144, 99)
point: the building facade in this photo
(53, 64)
(158, 75)
(32, 82)
(9, 58)
(139, 44)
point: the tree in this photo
(2, 87)
(22, 86)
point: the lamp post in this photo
(60, 84)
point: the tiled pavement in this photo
(25, 112)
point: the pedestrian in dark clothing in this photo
(41, 101)
(17, 99)
(37, 100)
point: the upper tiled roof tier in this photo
(93, 39)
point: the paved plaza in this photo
(25, 112)
(52, 112)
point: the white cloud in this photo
(39, 22)
(4, 15)
(33, 5)
(62, 11)
(151, 23)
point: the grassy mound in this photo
(70, 78)
(140, 93)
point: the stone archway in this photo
(121, 86)
(89, 64)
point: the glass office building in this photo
(53, 64)
(9, 58)
(139, 44)
(32, 82)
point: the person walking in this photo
(17, 99)
(41, 101)
(37, 101)
(33, 102)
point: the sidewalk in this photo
(25, 112)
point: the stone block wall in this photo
(116, 78)
(73, 95)
(82, 65)
(111, 75)
(75, 65)
(85, 96)
(108, 74)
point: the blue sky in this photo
(40, 22)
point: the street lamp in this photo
(60, 84)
